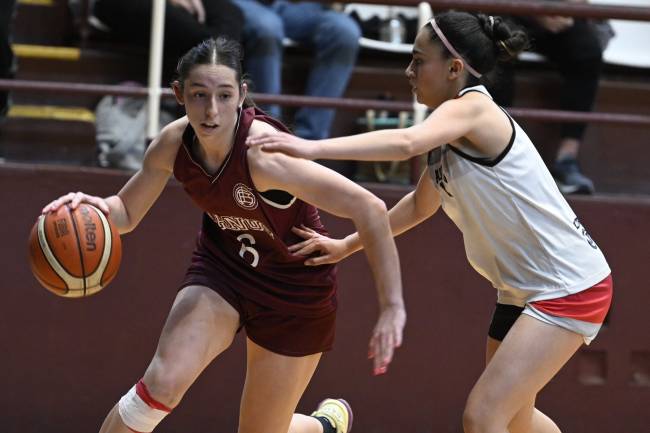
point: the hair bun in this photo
(508, 41)
(487, 23)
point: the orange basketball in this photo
(74, 253)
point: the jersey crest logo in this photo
(244, 197)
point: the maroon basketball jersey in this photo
(245, 233)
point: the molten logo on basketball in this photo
(244, 197)
(61, 228)
(89, 229)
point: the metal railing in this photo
(556, 116)
(509, 7)
(525, 7)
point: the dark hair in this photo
(481, 40)
(219, 51)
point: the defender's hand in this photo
(283, 142)
(330, 250)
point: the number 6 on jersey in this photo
(245, 248)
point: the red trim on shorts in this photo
(134, 431)
(590, 305)
(143, 393)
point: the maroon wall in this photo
(66, 362)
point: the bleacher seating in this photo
(42, 27)
(59, 127)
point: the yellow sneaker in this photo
(338, 412)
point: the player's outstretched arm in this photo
(337, 195)
(452, 120)
(130, 205)
(410, 211)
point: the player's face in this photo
(211, 95)
(428, 71)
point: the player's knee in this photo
(140, 411)
(520, 427)
(478, 417)
(471, 421)
(166, 386)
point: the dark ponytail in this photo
(481, 40)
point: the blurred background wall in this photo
(64, 362)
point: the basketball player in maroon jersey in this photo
(242, 274)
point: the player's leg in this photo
(273, 387)
(201, 325)
(529, 356)
(529, 419)
(283, 352)
(334, 415)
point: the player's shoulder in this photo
(268, 162)
(469, 104)
(269, 165)
(255, 154)
(173, 131)
(259, 127)
(474, 110)
(171, 136)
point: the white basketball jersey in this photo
(518, 229)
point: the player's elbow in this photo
(127, 228)
(120, 216)
(368, 207)
(129, 223)
(378, 206)
(425, 209)
(407, 145)
(124, 225)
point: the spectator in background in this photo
(187, 23)
(575, 46)
(332, 36)
(6, 54)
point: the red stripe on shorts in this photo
(143, 393)
(590, 305)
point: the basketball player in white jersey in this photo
(553, 283)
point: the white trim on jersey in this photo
(277, 205)
(518, 229)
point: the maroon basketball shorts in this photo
(280, 332)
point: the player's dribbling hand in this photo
(283, 142)
(386, 337)
(74, 198)
(329, 250)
